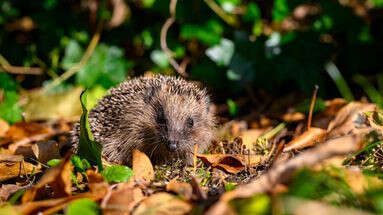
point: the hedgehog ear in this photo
(149, 94)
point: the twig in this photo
(280, 173)
(7, 67)
(312, 105)
(88, 53)
(229, 19)
(164, 46)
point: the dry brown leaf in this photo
(23, 130)
(10, 170)
(307, 139)
(120, 12)
(293, 117)
(360, 182)
(59, 178)
(52, 206)
(250, 136)
(142, 167)
(96, 182)
(348, 119)
(333, 106)
(163, 203)
(181, 188)
(229, 162)
(10, 158)
(122, 200)
(280, 173)
(4, 126)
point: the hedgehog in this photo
(162, 116)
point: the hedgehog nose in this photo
(173, 145)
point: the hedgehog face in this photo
(180, 122)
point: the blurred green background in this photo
(235, 47)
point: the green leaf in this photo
(107, 67)
(233, 107)
(159, 57)
(259, 204)
(222, 53)
(229, 186)
(83, 207)
(54, 162)
(280, 10)
(253, 13)
(81, 165)
(117, 173)
(73, 54)
(208, 33)
(88, 148)
(7, 83)
(9, 109)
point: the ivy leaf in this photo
(81, 165)
(222, 53)
(54, 162)
(88, 148)
(73, 53)
(83, 207)
(9, 109)
(107, 67)
(208, 33)
(117, 173)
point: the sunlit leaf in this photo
(83, 207)
(117, 173)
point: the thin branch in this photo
(164, 46)
(228, 18)
(7, 67)
(312, 105)
(74, 69)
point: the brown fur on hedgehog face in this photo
(175, 123)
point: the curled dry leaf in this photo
(181, 188)
(307, 139)
(23, 130)
(349, 119)
(280, 173)
(163, 203)
(142, 167)
(120, 12)
(59, 178)
(231, 163)
(96, 182)
(122, 200)
(12, 167)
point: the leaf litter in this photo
(245, 165)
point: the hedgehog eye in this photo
(190, 122)
(161, 118)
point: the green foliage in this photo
(233, 107)
(117, 173)
(79, 164)
(53, 162)
(259, 204)
(9, 108)
(88, 149)
(209, 33)
(318, 185)
(83, 207)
